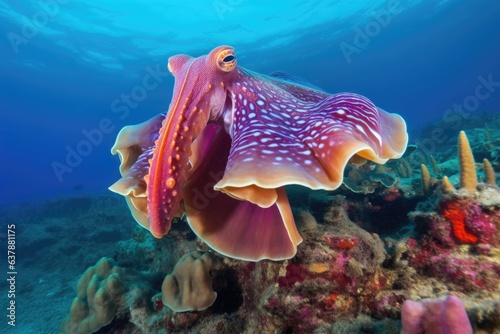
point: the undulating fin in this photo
(239, 229)
(312, 150)
(294, 79)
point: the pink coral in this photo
(479, 223)
(434, 316)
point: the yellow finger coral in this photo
(468, 176)
(426, 179)
(447, 185)
(489, 172)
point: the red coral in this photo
(329, 301)
(344, 243)
(157, 303)
(294, 273)
(456, 214)
(411, 243)
(392, 195)
(337, 242)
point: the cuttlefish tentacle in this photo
(232, 139)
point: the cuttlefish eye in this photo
(226, 60)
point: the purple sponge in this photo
(435, 316)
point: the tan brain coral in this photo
(94, 306)
(189, 286)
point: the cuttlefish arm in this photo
(134, 145)
(233, 139)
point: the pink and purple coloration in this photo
(230, 142)
(435, 316)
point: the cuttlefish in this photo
(230, 142)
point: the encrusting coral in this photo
(94, 306)
(189, 286)
(306, 223)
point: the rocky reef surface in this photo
(390, 234)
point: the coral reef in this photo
(343, 277)
(446, 227)
(386, 257)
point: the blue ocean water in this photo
(67, 65)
